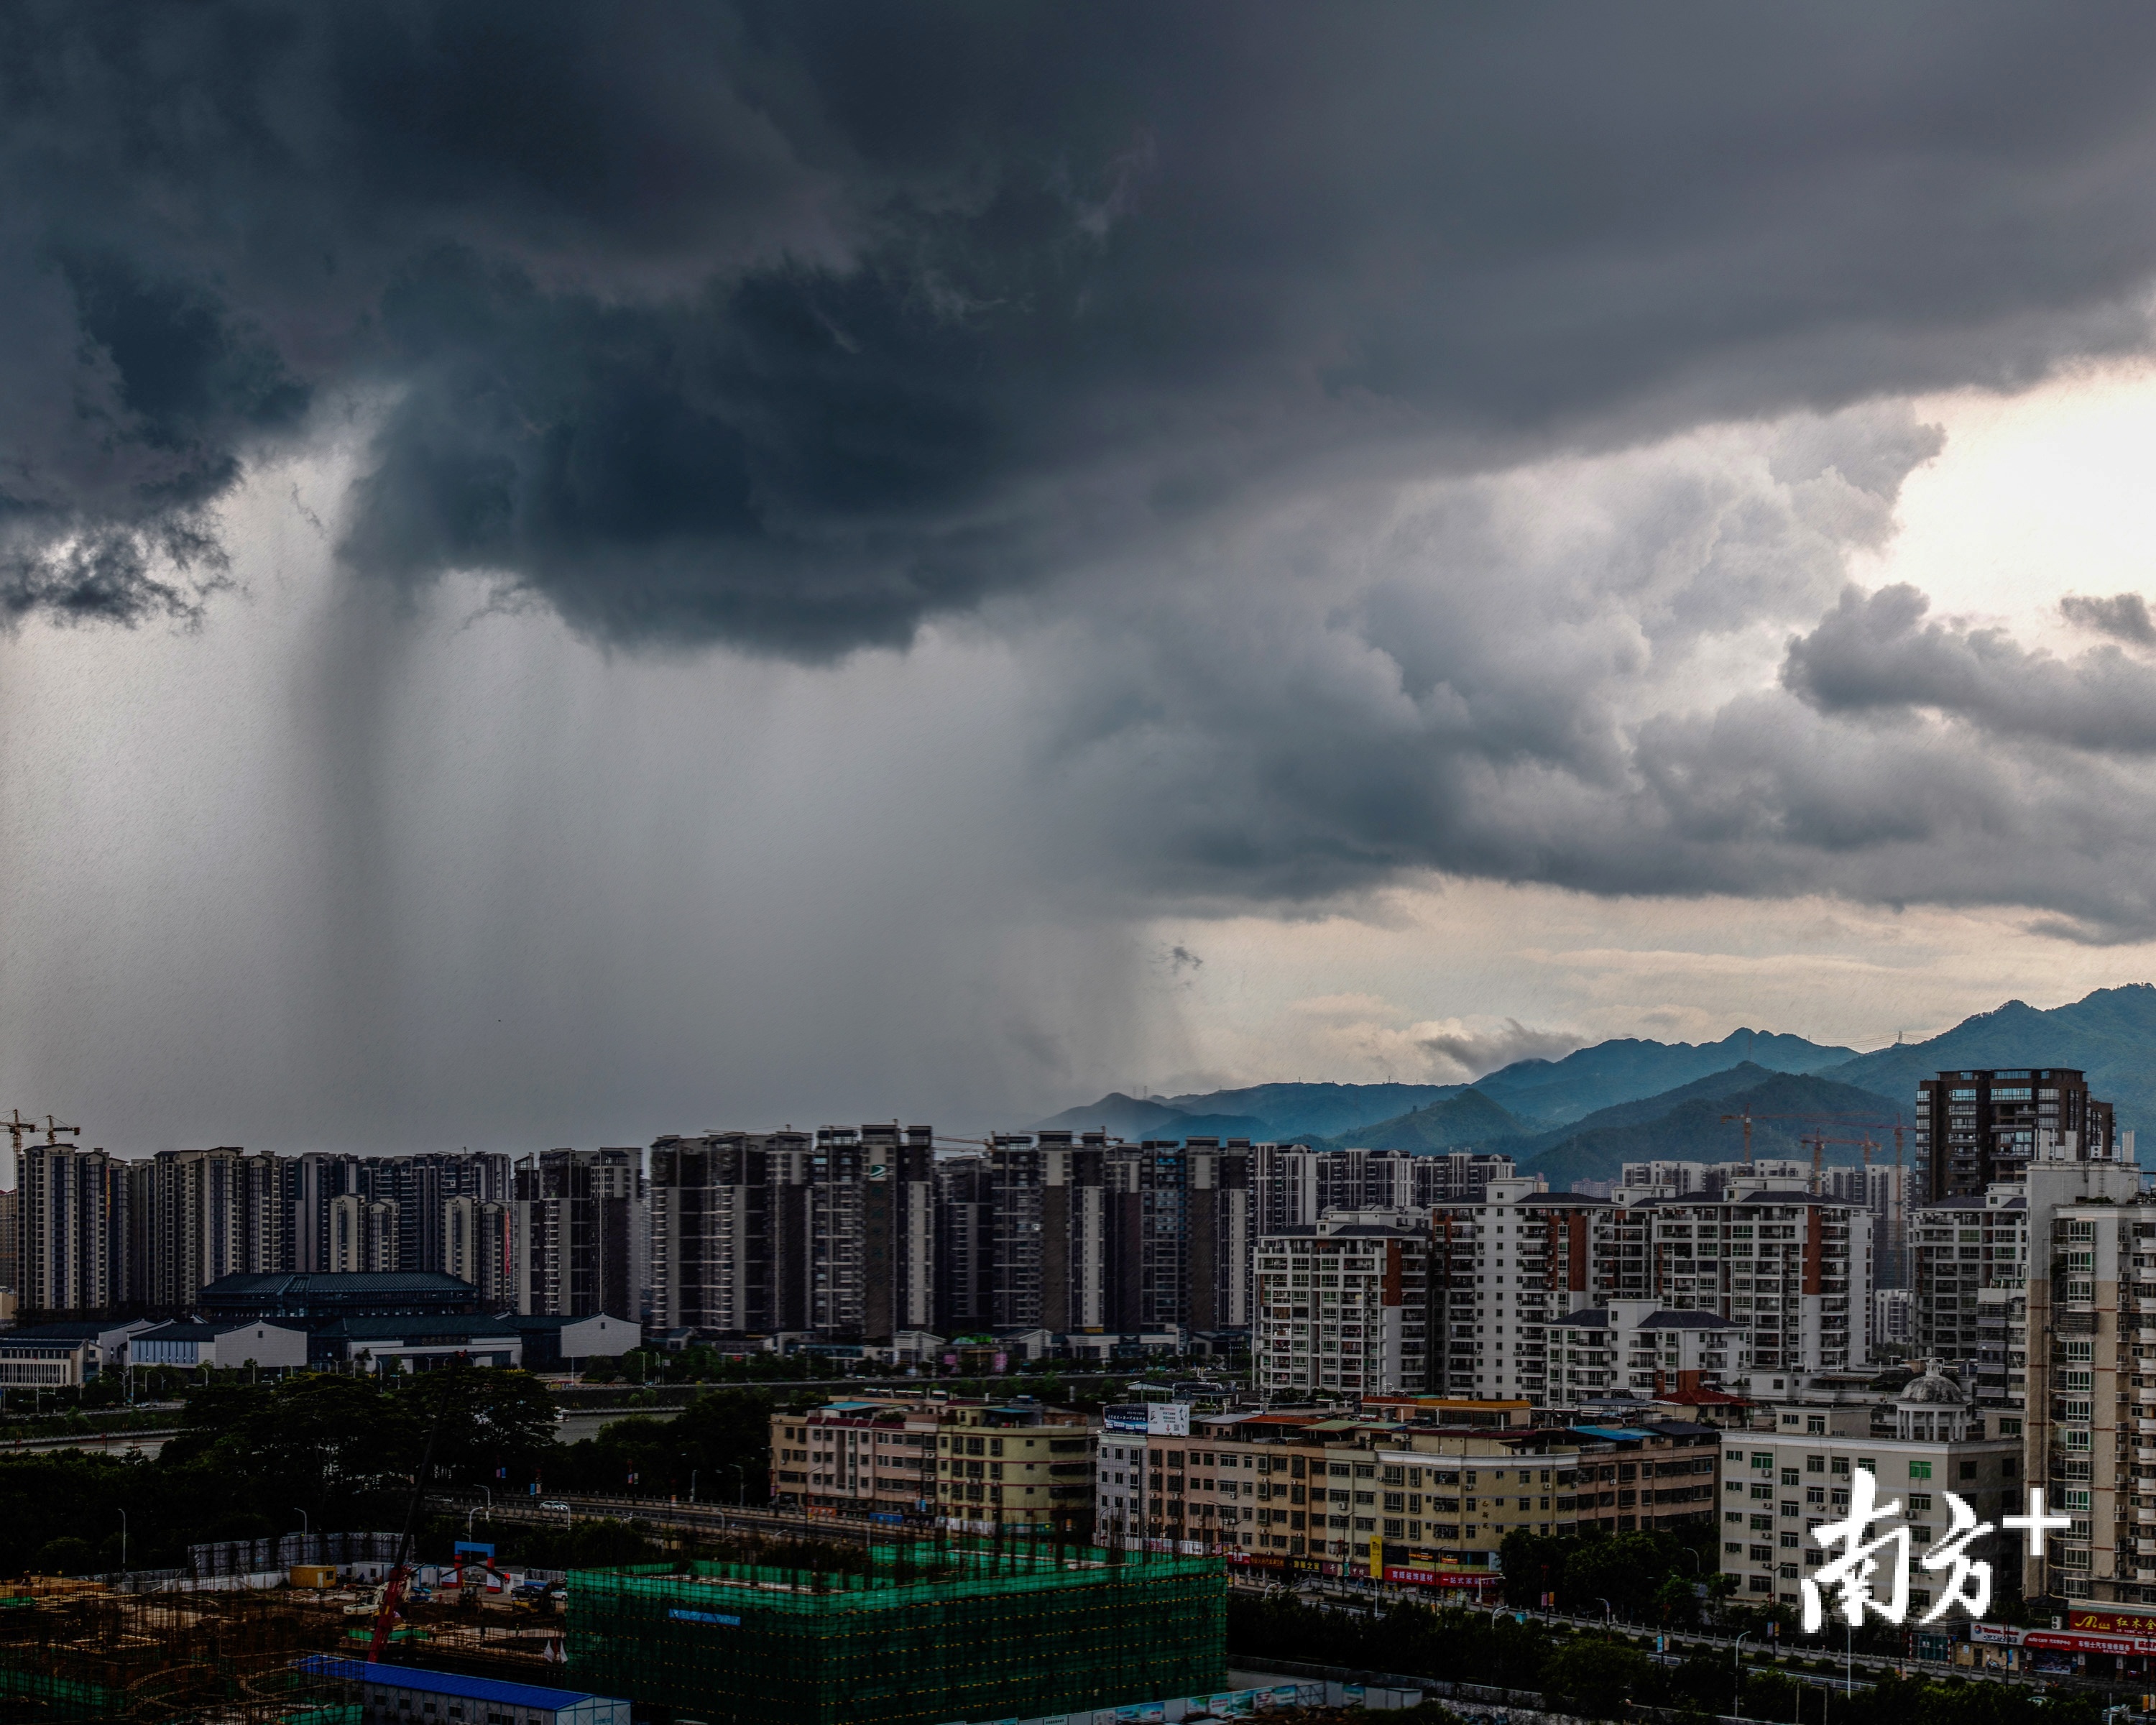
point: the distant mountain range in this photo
(1625, 1070)
(1630, 1100)
(1301, 1112)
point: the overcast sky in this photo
(581, 570)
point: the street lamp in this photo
(1608, 1611)
(123, 1538)
(1737, 1678)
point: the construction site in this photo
(69, 1652)
(772, 1633)
(77, 1651)
(915, 1634)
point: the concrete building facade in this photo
(1345, 1306)
(1975, 1128)
(1777, 1486)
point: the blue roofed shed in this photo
(401, 1695)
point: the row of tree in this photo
(1598, 1676)
(332, 1451)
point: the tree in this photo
(320, 1439)
(490, 1420)
(721, 1442)
(65, 1556)
(1624, 1569)
(1676, 1603)
(1591, 1677)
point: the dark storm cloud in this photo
(1554, 676)
(1875, 653)
(2124, 615)
(792, 325)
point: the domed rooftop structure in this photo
(1932, 1388)
(1932, 1408)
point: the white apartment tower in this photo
(1344, 1306)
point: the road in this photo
(109, 1442)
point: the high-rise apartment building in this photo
(1706, 1180)
(833, 1234)
(1049, 1220)
(364, 1236)
(1506, 1266)
(420, 1186)
(1793, 1269)
(1969, 1261)
(965, 1246)
(1347, 1306)
(212, 1213)
(717, 1231)
(1976, 1128)
(479, 1245)
(1297, 1184)
(1179, 1236)
(1091, 1235)
(581, 1232)
(1643, 1348)
(2090, 1316)
(72, 1210)
(1884, 1192)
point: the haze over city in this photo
(654, 570)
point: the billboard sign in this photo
(1155, 1419)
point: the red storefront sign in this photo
(2112, 1623)
(1469, 1581)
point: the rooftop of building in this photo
(182, 1331)
(418, 1325)
(501, 1693)
(67, 1331)
(291, 1284)
(1933, 1388)
(1743, 1200)
(1702, 1399)
(1969, 1201)
(1665, 1318)
(1342, 1230)
(540, 1321)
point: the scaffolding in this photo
(85, 1655)
(922, 1636)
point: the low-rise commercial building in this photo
(983, 1465)
(47, 1363)
(417, 1344)
(555, 1343)
(1239, 1483)
(1777, 1486)
(92, 1345)
(264, 1346)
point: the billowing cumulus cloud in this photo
(1875, 652)
(1640, 674)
